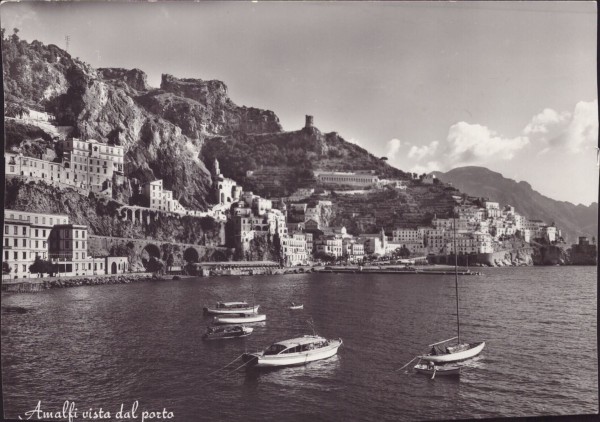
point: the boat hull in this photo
(239, 320)
(246, 331)
(456, 357)
(226, 311)
(297, 307)
(258, 360)
(439, 371)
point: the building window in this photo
(15, 256)
(37, 244)
(36, 233)
(66, 244)
(24, 268)
(24, 242)
(44, 234)
(5, 229)
(24, 255)
(15, 230)
(16, 242)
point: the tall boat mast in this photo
(456, 275)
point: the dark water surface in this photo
(106, 345)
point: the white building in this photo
(347, 178)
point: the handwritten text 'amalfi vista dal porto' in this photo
(71, 413)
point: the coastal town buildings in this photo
(30, 235)
(161, 199)
(293, 249)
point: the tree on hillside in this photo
(324, 256)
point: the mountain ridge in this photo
(574, 220)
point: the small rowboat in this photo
(217, 333)
(434, 371)
(296, 306)
(240, 318)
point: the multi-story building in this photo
(92, 162)
(331, 245)
(161, 199)
(467, 243)
(293, 249)
(26, 237)
(68, 242)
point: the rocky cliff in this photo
(101, 216)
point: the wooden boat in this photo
(231, 308)
(437, 370)
(295, 351)
(296, 306)
(461, 351)
(240, 318)
(218, 333)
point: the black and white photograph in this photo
(309, 211)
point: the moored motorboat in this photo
(231, 308)
(296, 306)
(239, 318)
(296, 351)
(216, 333)
(435, 370)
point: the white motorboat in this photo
(218, 333)
(296, 306)
(296, 351)
(231, 308)
(239, 318)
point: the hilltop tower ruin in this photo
(309, 122)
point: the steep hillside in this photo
(171, 133)
(574, 220)
(283, 162)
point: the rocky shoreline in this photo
(97, 281)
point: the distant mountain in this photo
(573, 220)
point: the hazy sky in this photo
(509, 86)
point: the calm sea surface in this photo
(106, 345)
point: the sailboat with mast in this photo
(442, 352)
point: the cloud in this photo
(582, 131)
(476, 144)
(574, 131)
(423, 151)
(427, 168)
(393, 148)
(468, 143)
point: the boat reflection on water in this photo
(311, 373)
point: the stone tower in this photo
(216, 169)
(309, 121)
